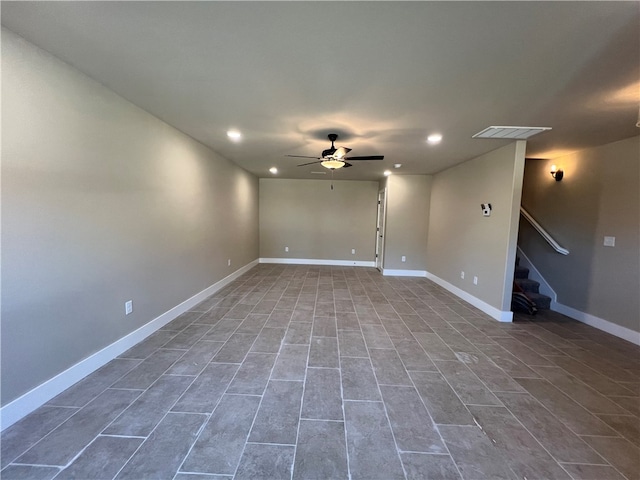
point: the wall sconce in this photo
(557, 174)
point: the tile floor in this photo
(311, 372)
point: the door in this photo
(380, 230)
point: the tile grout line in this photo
(210, 414)
(445, 308)
(436, 428)
(246, 442)
(342, 399)
(504, 406)
(142, 392)
(173, 405)
(304, 386)
(74, 414)
(384, 407)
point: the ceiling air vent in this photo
(319, 173)
(513, 133)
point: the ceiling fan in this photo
(334, 158)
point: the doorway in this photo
(380, 229)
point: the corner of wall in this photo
(460, 239)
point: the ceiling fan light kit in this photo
(333, 164)
(334, 158)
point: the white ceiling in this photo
(383, 75)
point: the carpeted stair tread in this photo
(542, 301)
(528, 285)
(521, 272)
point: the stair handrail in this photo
(543, 232)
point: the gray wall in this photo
(316, 222)
(598, 196)
(461, 239)
(408, 199)
(101, 203)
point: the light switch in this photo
(609, 241)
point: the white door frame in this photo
(380, 228)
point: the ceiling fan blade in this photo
(310, 163)
(370, 157)
(302, 156)
(346, 165)
(341, 152)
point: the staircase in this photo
(531, 287)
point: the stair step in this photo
(542, 301)
(521, 272)
(528, 285)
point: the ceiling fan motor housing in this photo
(328, 152)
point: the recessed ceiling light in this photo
(234, 135)
(434, 138)
(397, 165)
(387, 173)
(273, 170)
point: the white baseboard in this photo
(35, 398)
(388, 272)
(492, 311)
(315, 261)
(597, 322)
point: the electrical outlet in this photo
(353, 251)
(404, 259)
(228, 262)
(609, 241)
(286, 249)
(128, 307)
(475, 280)
(462, 274)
